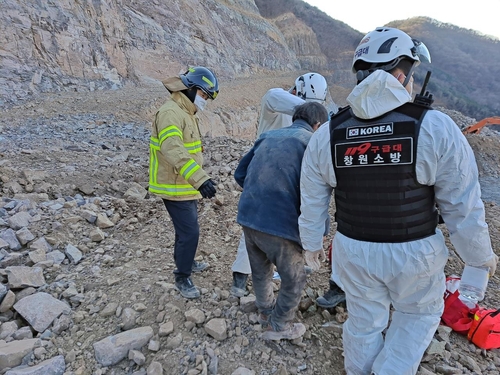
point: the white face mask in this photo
(200, 102)
(409, 86)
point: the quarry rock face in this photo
(86, 46)
(90, 45)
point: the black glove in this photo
(207, 189)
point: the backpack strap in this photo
(413, 110)
(341, 116)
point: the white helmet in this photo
(383, 48)
(311, 87)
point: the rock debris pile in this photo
(86, 261)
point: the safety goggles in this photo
(420, 51)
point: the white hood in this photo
(377, 94)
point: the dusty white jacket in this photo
(444, 159)
(276, 110)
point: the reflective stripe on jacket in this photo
(176, 162)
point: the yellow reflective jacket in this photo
(175, 158)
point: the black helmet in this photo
(202, 78)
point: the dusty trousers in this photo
(264, 251)
(184, 216)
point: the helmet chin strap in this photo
(408, 76)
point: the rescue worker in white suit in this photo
(276, 111)
(390, 162)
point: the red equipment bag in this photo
(485, 329)
(456, 315)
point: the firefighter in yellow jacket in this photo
(176, 166)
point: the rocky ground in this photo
(86, 253)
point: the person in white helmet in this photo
(277, 105)
(390, 162)
(276, 111)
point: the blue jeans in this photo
(264, 251)
(184, 216)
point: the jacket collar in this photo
(302, 124)
(183, 102)
(376, 95)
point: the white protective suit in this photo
(408, 275)
(276, 110)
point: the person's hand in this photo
(492, 264)
(207, 189)
(314, 258)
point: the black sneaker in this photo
(239, 287)
(332, 297)
(199, 266)
(186, 287)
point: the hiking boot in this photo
(332, 297)
(239, 287)
(199, 266)
(186, 287)
(291, 332)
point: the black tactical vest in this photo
(378, 197)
